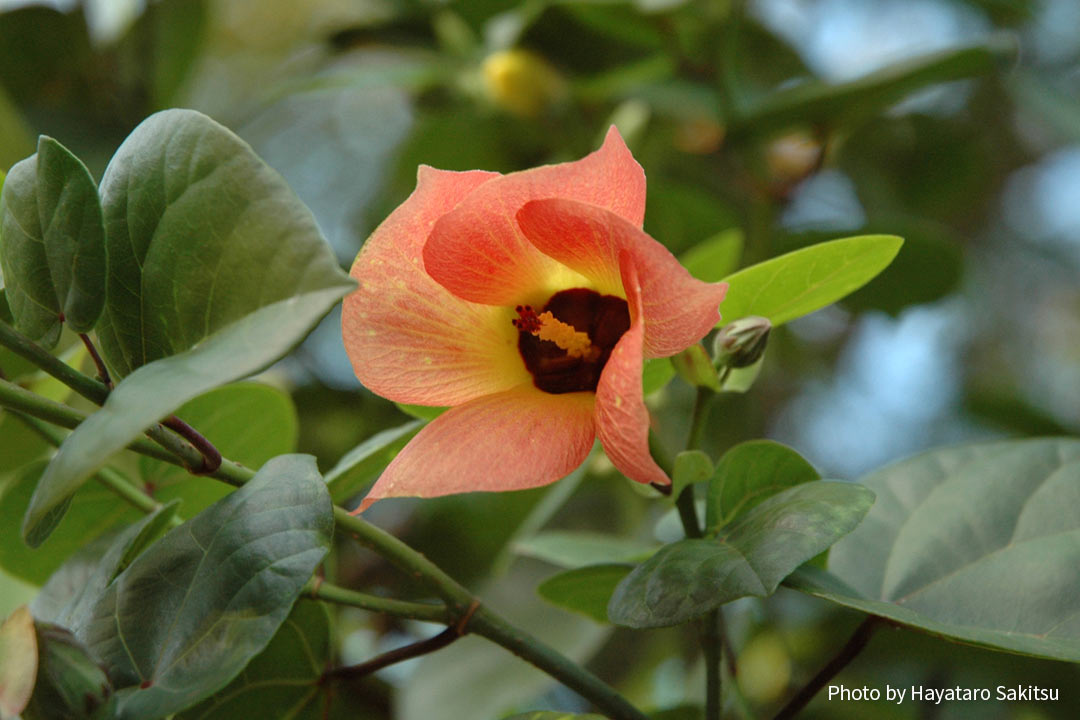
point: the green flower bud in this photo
(741, 343)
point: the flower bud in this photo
(741, 343)
(521, 82)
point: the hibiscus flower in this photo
(526, 303)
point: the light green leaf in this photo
(284, 675)
(53, 250)
(656, 374)
(749, 473)
(363, 463)
(696, 367)
(978, 543)
(574, 548)
(421, 412)
(751, 556)
(18, 662)
(248, 422)
(234, 572)
(585, 590)
(158, 389)
(715, 258)
(691, 467)
(200, 234)
(806, 280)
(94, 510)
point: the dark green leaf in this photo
(190, 612)
(574, 548)
(715, 258)
(158, 389)
(752, 555)
(200, 233)
(70, 684)
(18, 661)
(248, 422)
(979, 543)
(800, 282)
(363, 463)
(284, 675)
(691, 467)
(749, 473)
(53, 251)
(586, 590)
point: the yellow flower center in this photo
(548, 327)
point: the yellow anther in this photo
(574, 342)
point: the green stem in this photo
(399, 608)
(462, 608)
(491, 626)
(471, 616)
(23, 346)
(171, 449)
(97, 392)
(852, 647)
(108, 477)
(712, 635)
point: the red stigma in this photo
(527, 321)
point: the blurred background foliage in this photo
(954, 123)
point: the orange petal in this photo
(622, 420)
(409, 339)
(479, 254)
(679, 309)
(512, 440)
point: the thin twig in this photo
(387, 659)
(851, 649)
(211, 456)
(103, 372)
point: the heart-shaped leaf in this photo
(806, 280)
(190, 612)
(53, 250)
(751, 556)
(200, 234)
(979, 543)
(749, 473)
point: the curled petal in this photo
(408, 338)
(622, 420)
(517, 439)
(477, 251)
(678, 309)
